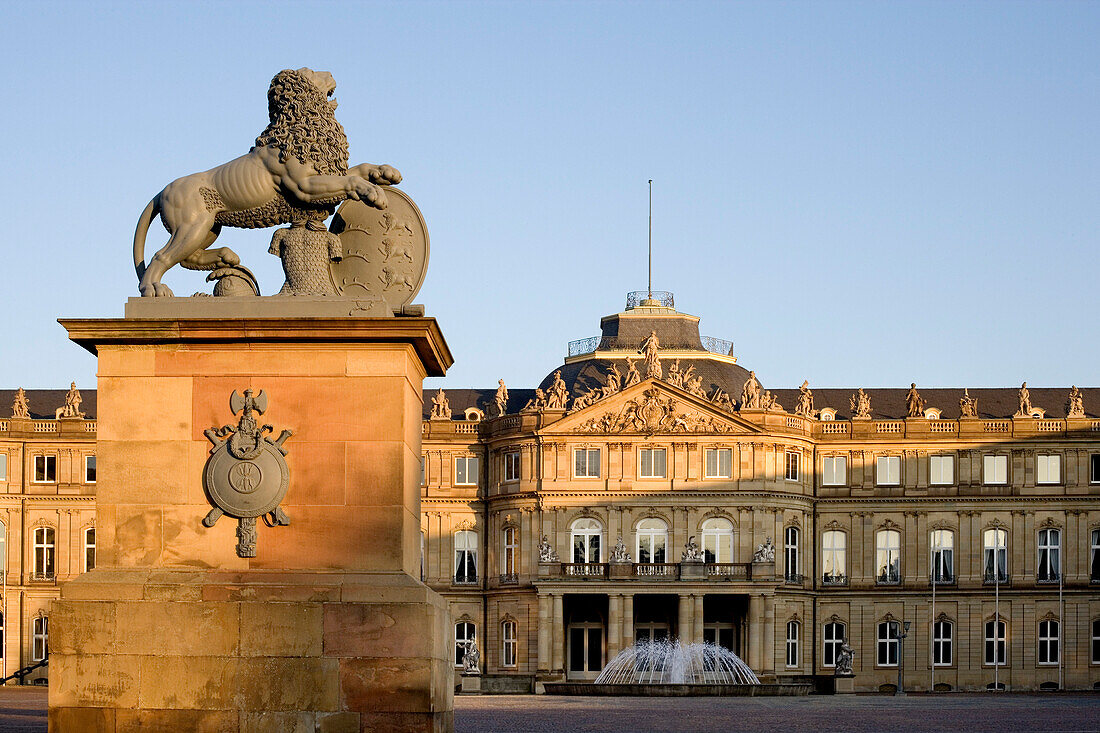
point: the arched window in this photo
(652, 539)
(995, 648)
(40, 637)
(508, 643)
(717, 540)
(586, 534)
(1048, 641)
(831, 639)
(1050, 546)
(943, 633)
(888, 555)
(792, 570)
(887, 644)
(834, 544)
(465, 556)
(464, 631)
(793, 628)
(943, 556)
(508, 560)
(44, 553)
(89, 549)
(995, 555)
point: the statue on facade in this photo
(674, 377)
(750, 393)
(914, 405)
(968, 406)
(722, 399)
(298, 168)
(619, 553)
(1025, 402)
(1075, 406)
(861, 405)
(805, 406)
(501, 398)
(614, 382)
(652, 359)
(72, 404)
(471, 658)
(441, 407)
(558, 394)
(632, 375)
(536, 403)
(695, 386)
(20, 407)
(306, 248)
(764, 552)
(691, 553)
(844, 655)
(769, 402)
(546, 551)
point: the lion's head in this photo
(303, 121)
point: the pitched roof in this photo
(43, 403)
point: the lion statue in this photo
(296, 171)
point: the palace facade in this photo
(652, 487)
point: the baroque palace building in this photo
(651, 487)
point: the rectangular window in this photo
(1094, 556)
(1048, 642)
(792, 465)
(941, 643)
(1094, 468)
(45, 469)
(464, 631)
(1096, 641)
(586, 463)
(1048, 469)
(510, 546)
(887, 644)
(653, 463)
(508, 644)
(44, 553)
(888, 556)
(941, 470)
(465, 556)
(40, 636)
(89, 469)
(717, 462)
(833, 557)
(511, 466)
(792, 643)
(834, 470)
(1049, 546)
(89, 549)
(423, 470)
(943, 556)
(465, 470)
(995, 555)
(995, 471)
(791, 567)
(889, 471)
(831, 640)
(3, 467)
(995, 652)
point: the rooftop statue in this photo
(72, 404)
(750, 393)
(1075, 407)
(805, 406)
(501, 398)
(296, 171)
(441, 406)
(968, 406)
(914, 404)
(650, 348)
(861, 405)
(1025, 402)
(20, 406)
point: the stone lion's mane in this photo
(303, 125)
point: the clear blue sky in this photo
(855, 193)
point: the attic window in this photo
(827, 413)
(932, 413)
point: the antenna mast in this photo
(650, 291)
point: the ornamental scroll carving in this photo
(653, 413)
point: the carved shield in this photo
(246, 488)
(385, 251)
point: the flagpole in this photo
(932, 628)
(649, 293)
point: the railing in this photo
(583, 346)
(656, 569)
(834, 580)
(888, 580)
(509, 579)
(1049, 426)
(3, 426)
(942, 426)
(1052, 578)
(1096, 426)
(892, 426)
(991, 579)
(729, 569)
(793, 578)
(89, 426)
(43, 577)
(794, 422)
(466, 427)
(584, 569)
(45, 426)
(997, 426)
(717, 345)
(665, 298)
(832, 426)
(942, 579)
(465, 580)
(22, 673)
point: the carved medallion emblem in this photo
(246, 475)
(385, 251)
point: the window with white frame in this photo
(3, 467)
(1049, 547)
(995, 647)
(652, 539)
(423, 470)
(44, 552)
(1094, 556)
(995, 555)
(831, 638)
(465, 470)
(508, 643)
(793, 628)
(888, 555)
(792, 465)
(586, 462)
(942, 638)
(717, 463)
(887, 645)
(586, 535)
(834, 546)
(652, 463)
(888, 471)
(89, 469)
(792, 568)
(717, 540)
(1094, 468)
(511, 466)
(464, 631)
(89, 549)
(1048, 468)
(994, 470)
(40, 638)
(1096, 641)
(465, 556)
(943, 556)
(834, 470)
(45, 469)
(1048, 642)
(941, 470)
(508, 567)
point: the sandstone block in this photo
(281, 629)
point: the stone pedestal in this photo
(620, 569)
(844, 684)
(326, 628)
(692, 570)
(471, 684)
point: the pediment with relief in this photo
(648, 408)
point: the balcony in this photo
(834, 580)
(657, 570)
(1048, 579)
(992, 579)
(647, 571)
(941, 579)
(584, 569)
(793, 578)
(509, 579)
(43, 577)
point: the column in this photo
(545, 611)
(697, 625)
(683, 623)
(557, 641)
(756, 624)
(614, 625)
(769, 635)
(628, 620)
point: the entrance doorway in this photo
(585, 636)
(651, 631)
(723, 620)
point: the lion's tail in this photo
(142, 231)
